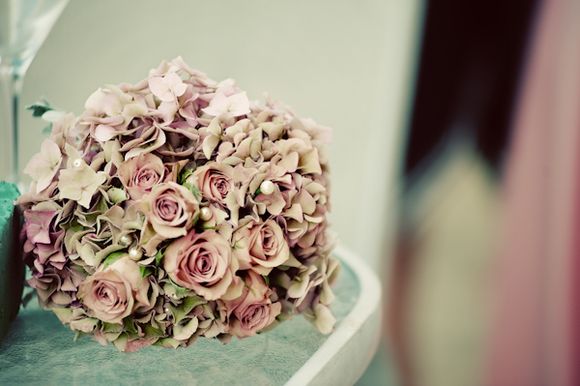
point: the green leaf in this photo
(176, 292)
(92, 217)
(39, 108)
(151, 331)
(159, 256)
(185, 308)
(146, 270)
(196, 192)
(184, 175)
(112, 327)
(168, 343)
(191, 302)
(129, 325)
(187, 182)
(266, 279)
(121, 342)
(75, 227)
(112, 257)
(102, 206)
(193, 189)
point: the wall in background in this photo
(347, 64)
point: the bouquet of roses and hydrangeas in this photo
(175, 208)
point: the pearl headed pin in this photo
(267, 187)
(205, 213)
(134, 253)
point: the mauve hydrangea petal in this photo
(43, 166)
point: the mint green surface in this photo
(40, 351)
(381, 371)
(11, 266)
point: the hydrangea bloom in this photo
(176, 208)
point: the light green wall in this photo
(345, 63)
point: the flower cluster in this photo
(175, 208)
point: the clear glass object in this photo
(24, 25)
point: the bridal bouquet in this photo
(175, 208)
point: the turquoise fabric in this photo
(39, 350)
(11, 266)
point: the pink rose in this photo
(171, 210)
(140, 174)
(114, 293)
(261, 246)
(253, 311)
(215, 181)
(201, 262)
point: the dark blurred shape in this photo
(467, 86)
(470, 65)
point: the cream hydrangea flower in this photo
(235, 105)
(44, 165)
(80, 183)
(167, 87)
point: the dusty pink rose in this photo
(171, 209)
(201, 262)
(140, 174)
(215, 180)
(116, 292)
(261, 246)
(253, 311)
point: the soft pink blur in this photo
(532, 336)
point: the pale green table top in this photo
(40, 351)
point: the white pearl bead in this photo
(77, 163)
(125, 240)
(267, 187)
(134, 253)
(205, 213)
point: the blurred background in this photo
(455, 154)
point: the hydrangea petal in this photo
(43, 166)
